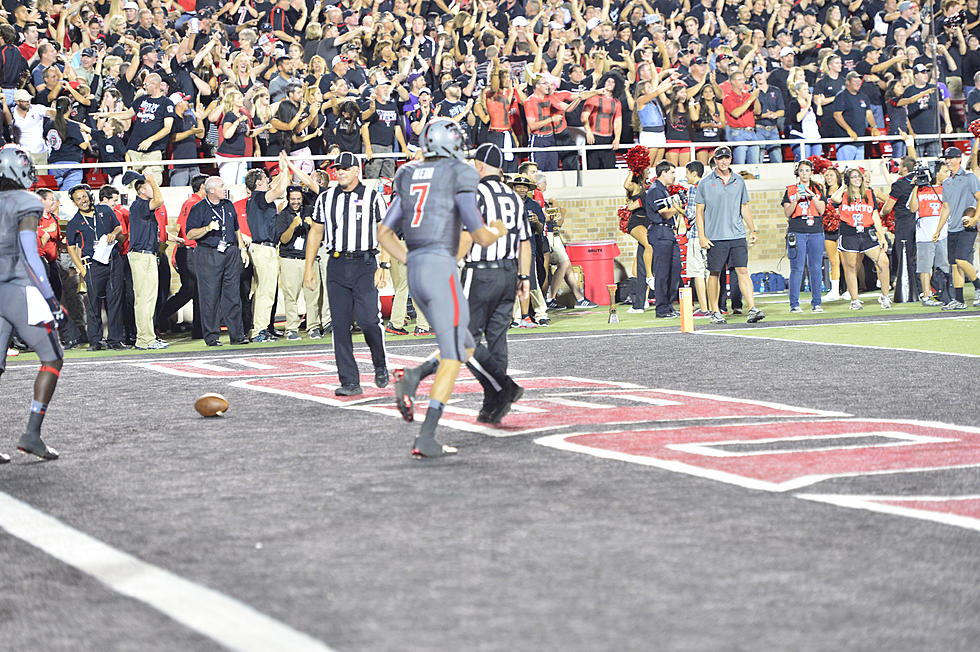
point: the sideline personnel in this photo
(23, 277)
(348, 215)
(104, 280)
(218, 260)
(722, 215)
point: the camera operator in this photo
(932, 214)
(899, 199)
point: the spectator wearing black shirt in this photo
(384, 130)
(66, 142)
(13, 63)
(148, 139)
(973, 100)
(110, 147)
(848, 55)
(187, 129)
(824, 91)
(851, 112)
(455, 108)
(769, 110)
(345, 129)
(872, 68)
(922, 100)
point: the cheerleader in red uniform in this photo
(861, 232)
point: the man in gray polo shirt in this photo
(722, 214)
(961, 191)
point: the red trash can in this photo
(596, 260)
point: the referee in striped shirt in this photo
(346, 216)
(492, 277)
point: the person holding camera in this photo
(931, 233)
(899, 200)
(804, 204)
(861, 232)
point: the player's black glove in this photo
(59, 313)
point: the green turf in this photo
(594, 320)
(955, 335)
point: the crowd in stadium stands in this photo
(148, 81)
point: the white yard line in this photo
(852, 346)
(873, 504)
(226, 621)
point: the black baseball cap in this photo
(146, 48)
(490, 154)
(952, 152)
(723, 152)
(346, 160)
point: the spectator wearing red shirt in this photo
(183, 263)
(738, 104)
(602, 118)
(545, 110)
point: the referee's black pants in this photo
(666, 266)
(491, 293)
(352, 295)
(217, 291)
(104, 282)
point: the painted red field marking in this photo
(902, 446)
(265, 366)
(959, 511)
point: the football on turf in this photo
(211, 405)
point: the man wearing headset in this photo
(104, 280)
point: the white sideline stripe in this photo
(231, 623)
(851, 346)
(871, 504)
(845, 322)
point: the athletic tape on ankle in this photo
(51, 370)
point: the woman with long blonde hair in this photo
(861, 233)
(234, 140)
(240, 71)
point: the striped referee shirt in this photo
(497, 201)
(350, 219)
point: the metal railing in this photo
(581, 150)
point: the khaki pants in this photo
(265, 262)
(145, 282)
(156, 171)
(41, 158)
(291, 282)
(399, 305)
(537, 306)
(322, 301)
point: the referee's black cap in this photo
(346, 160)
(490, 154)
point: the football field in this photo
(803, 484)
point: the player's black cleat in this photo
(381, 376)
(4, 458)
(507, 397)
(405, 385)
(32, 444)
(428, 447)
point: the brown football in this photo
(211, 405)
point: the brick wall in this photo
(594, 218)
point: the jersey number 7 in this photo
(421, 190)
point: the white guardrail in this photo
(580, 149)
